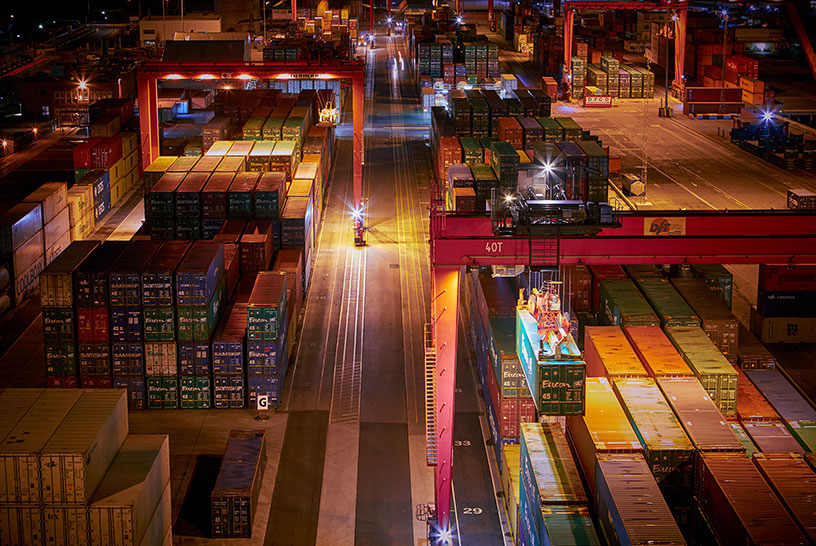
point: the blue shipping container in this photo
(102, 206)
(263, 384)
(228, 356)
(211, 227)
(126, 324)
(194, 358)
(198, 275)
(135, 390)
(128, 359)
(99, 180)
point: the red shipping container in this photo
(450, 153)
(713, 72)
(93, 324)
(510, 131)
(62, 382)
(82, 153)
(106, 152)
(95, 381)
(731, 76)
(232, 267)
(744, 66)
(773, 278)
(599, 272)
(214, 196)
(549, 85)
(510, 412)
(257, 246)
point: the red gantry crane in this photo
(652, 237)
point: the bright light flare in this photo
(459, 20)
(508, 198)
(34, 130)
(244, 77)
(548, 168)
(83, 84)
(768, 116)
(388, 20)
(205, 77)
(5, 144)
(174, 77)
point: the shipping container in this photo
(270, 194)
(667, 302)
(128, 358)
(751, 405)
(58, 325)
(506, 366)
(125, 274)
(234, 499)
(194, 358)
(229, 341)
(135, 386)
(188, 202)
(786, 278)
(159, 323)
(240, 197)
(198, 274)
(162, 392)
(195, 392)
(600, 272)
(772, 438)
(700, 417)
(715, 317)
(716, 374)
(621, 304)
(82, 448)
(794, 482)
(265, 311)
(511, 464)
(718, 279)
(229, 391)
(509, 412)
(656, 352)
(603, 428)
(260, 158)
(52, 196)
(257, 246)
(18, 225)
(783, 396)
(577, 287)
(805, 433)
(751, 354)
(65, 524)
(630, 506)
(158, 275)
(742, 507)
(123, 505)
(198, 322)
(56, 280)
(667, 450)
(126, 323)
(607, 353)
(91, 277)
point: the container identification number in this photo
(493, 247)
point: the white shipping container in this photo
(19, 465)
(160, 358)
(53, 197)
(79, 453)
(21, 525)
(57, 248)
(80, 202)
(14, 404)
(65, 525)
(160, 530)
(28, 281)
(124, 503)
(27, 253)
(19, 224)
(56, 229)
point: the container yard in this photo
(468, 274)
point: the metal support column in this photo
(569, 17)
(679, 47)
(147, 89)
(444, 302)
(371, 16)
(294, 10)
(491, 16)
(358, 116)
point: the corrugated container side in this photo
(607, 353)
(794, 482)
(630, 505)
(56, 280)
(667, 302)
(79, 453)
(783, 396)
(235, 495)
(20, 478)
(65, 524)
(715, 317)
(656, 352)
(751, 405)
(21, 524)
(123, 505)
(772, 438)
(741, 505)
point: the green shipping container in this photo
(272, 128)
(58, 324)
(162, 392)
(60, 358)
(188, 229)
(159, 323)
(253, 129)
(471, 150)
(572, 131)
(557, 386)
(195, 392)
(197, 322)
(718, 278)
(667, 302)
(622, 304)
(744, 439)
(553, 131)
(717, 376)
(805, 434)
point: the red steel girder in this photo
(749, 237)
(151, 72)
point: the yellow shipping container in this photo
(117, 171)
(80, 202)
(656, 352)
(84, 227)
(604, 428)
(130, 143)
(511, 477)
(608, 353)
(117, 191)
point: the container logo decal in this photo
(664, 227)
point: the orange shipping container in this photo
(604, 428)
(450, 153)
(752, 85)
(608, 353)
(510, 131)
(656, 352)
(751, 405)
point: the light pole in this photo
(724, 15)
(666, 111)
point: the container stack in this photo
(669, 305)
(266, 335)
(73, 475)
(579, 75)
(234, 499)
(553, 506)
(81, 212)
(718, 279)
(786, 304)
(21, 229)
(621, 304)
(715, 317)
